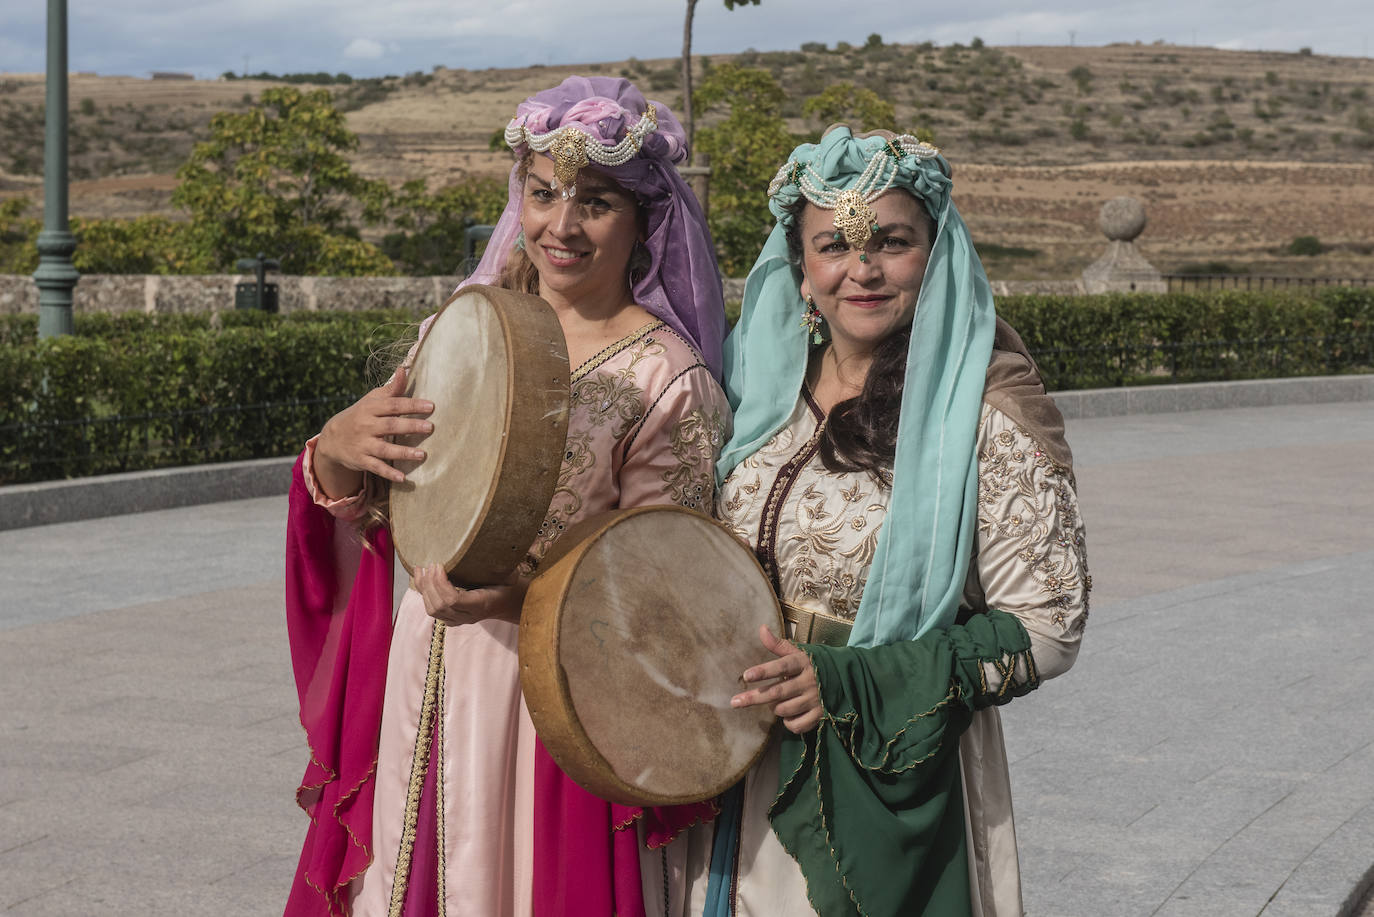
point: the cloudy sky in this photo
(375, 37)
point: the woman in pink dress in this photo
(427, 789)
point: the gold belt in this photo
(816, 627)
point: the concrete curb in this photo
(50, 502)
(1212, 396)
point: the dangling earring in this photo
(812, 320)
(640, 262)
(520, 240)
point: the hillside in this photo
(1235, 153)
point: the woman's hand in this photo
(355, 440)
(794, 694)
(448, 603)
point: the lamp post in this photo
(55, 275)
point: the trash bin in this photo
(246, 296)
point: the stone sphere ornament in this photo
(1122, 219)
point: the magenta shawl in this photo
(339, 658)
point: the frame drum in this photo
(633, 638)
(495, 364)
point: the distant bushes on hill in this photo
(318, 79)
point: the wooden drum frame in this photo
(495, 364)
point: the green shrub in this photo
(992, 250)
(1306, 245)
(1083, 77)
(1210, 267)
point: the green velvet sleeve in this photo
(869, 802)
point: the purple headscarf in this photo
(682, 285)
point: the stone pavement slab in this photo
(1209, 754)
(76, 568)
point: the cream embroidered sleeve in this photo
(1032, 559)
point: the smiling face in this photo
(865, 300)
(580, 247)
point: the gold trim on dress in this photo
(439, 790)
(419, 766)
(601, 356)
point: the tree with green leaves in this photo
(861, 109)
(746, 150)
(18, 237)
(431, 225)
(689, 123)
(148, 244)
(276, 179)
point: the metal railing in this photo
(1183, 283)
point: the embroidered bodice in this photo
(815, 531)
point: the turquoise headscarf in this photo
(921, 559)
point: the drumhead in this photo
(495, 365)
(658, 611)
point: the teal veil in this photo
(922, 555)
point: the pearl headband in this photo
(573, 148)
(854, 216)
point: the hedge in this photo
(1138, 339)
(126, 392)
(130, 390)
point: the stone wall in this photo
(153, 293)
(734, 288)
(213, 293)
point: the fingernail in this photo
(736, 702)
(418, 455)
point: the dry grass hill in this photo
(1235, 153)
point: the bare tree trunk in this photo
(687, 78)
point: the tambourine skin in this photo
(495, 364)
(633, 638)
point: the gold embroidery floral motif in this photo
(741, 496)
(695, 441)
(827, 561)
(827, 524)
(599, 399)
(578, 459)
(1025, 496)
(615, 398)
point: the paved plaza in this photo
(1211, 754)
